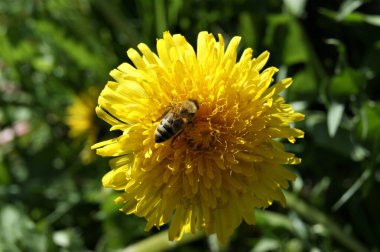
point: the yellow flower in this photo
(225, 163)
(80, 118)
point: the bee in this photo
(175, 120)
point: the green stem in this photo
(313, 215)
(160, 242)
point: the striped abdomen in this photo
(168, 128)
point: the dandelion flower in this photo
(80, 118)
(223, 165)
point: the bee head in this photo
(189, 109)
(195, 102)
(192, 106)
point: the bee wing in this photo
(164, 112)
(174, 108)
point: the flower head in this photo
(80, 118)
(223, 164)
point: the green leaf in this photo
(295, 49)
(346, 83)
(347, 14)
(347, 7)
(174, 9)
(284, 30)
(369, 123)
(265, 219)
(296, 7)
(294, 245)
(4, 174)
(160, 10)
(352, 190)
(304, 85)
(248, 28)
(372, 19)
(342, 55)
(342, 142)
(19, 232)
(266, 244)
(334, 117)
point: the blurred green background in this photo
(52, 52)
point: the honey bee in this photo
(175, 120)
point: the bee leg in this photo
(175, 137)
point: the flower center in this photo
(212, 128)
(201, 137)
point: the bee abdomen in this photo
(161, 136)
(167, 129)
